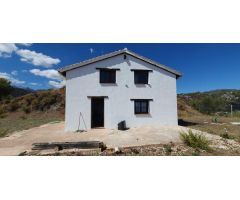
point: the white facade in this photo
(84, 81)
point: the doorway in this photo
(97, 112)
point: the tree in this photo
(5, 88)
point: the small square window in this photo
(141, 106)
(141, 77)
(107, 76)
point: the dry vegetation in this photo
(31, 110)
(219, 125)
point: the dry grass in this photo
(18, 121)
(196, 141)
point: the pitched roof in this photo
(116, 53)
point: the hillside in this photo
(31, 110)
(212, 102)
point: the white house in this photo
(116, 87)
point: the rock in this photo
(117, 150)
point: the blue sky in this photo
(204, 66)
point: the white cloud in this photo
(36, 84)
(6, 49)
(91, 50)
(14, 72)
(25, 44)
(53, 74)
(57, 84)
(13, 80)
(49, 73)
(37, 59)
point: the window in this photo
(141, 76)
(141, 106)
(107, 76)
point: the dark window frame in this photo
(110, 76)
(142, 109)
(141, 73)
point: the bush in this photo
(23, 117)
(46, 100)
(3, 132)
(208, 105)
(5, 88)
(167, 148)
(13, 106)
(2, 113)
(26, 109)
(195, 140)
(29, 98)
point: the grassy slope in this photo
(20, 121)
(31, 110)
(205, 123)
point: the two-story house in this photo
(119, 86)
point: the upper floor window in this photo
(141, 76)
(107, 75)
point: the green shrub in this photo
(3, 132)
(29, 98)
(167, 148)
(23, 117)
(5, 88)
(13, 106)
(195, 140)
(35, 104)
(26, 109)
(2, 113)
(46, 100)
(226, 136)
(208, 104)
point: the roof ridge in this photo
(115, 53)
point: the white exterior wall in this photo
(84, 81)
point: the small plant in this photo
(167, 148)
(196, 153)
(195, 140)
(23, 117)
(226, 135)
(2, 113)
(26, 109)
(215, 119)
(13, 106)
(3, 133)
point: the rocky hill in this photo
(211, 102)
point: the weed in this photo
(2, 113)
(13, 106)
(3, 132)
(167, 148)
(26, 109)
(227, 136)
(23, 117)
(196, 153)
(195, 140)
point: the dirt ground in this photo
(54, 132)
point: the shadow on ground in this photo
(182, 122)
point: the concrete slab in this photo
(23, 140)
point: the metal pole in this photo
(231, 111)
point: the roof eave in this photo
(116, 53)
